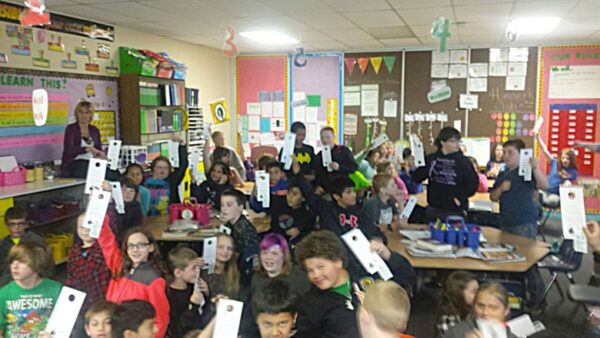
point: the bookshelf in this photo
(152, 109)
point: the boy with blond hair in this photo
(385, 311)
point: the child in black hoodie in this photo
(452, 178)
(342, 164)
(210, 190)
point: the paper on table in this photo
(515, 83)
(254, 122)
(278, 109)
(312, 114)
(266, 109)
(114, 149)
(173, 153)
(253, 137)
(417, 148)
(414, 235)
(458, 56)
(65, 312)
(457, 71)
(439, 71)
(517, 69)
(439, 57)
(361, 248)
(300, 113)
(409, 207)
(288, 150)
(478, 69)
(525, 169)
(253, 108)
(209, 253)
(326, 156)
(117, 196)
(390, 108)
(229, 313)
(267, 139)
(498, 69)
(478, 84)
(95, 174)
(96, 210)
(572, 211)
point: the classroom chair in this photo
(585, 294)
(258, 151)
(548, 208)
(566, 261)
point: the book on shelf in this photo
(160, 121)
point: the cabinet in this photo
(151, 109)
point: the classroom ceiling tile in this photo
(375, 19)
(345, 6)
(51, 3)
(197, 39)
(93, 2)
(585, 9)
(406, 4)
(313, 36)
(348, 34)
(542, 8)
(394, 32)
(481, 28)
(568, 36)
(479, 2)
(151, 28)
(425, 30)
(305, 7)
(429, 41)
(574, 25)
(401, 42)
(189, 8)
(242, 9)
(91, 13)
(138, 10)
(479, 13)
(482, 39)
(283, 23)
(326, 21)
(363, 43)
(422, 16)
(330, 46)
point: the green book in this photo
(142, 121)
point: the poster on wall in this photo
(20, 136)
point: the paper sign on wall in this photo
(39, 101)
(350, 124)
(390, 108)
(467, 101)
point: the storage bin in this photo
(14, 177)
(131, 61)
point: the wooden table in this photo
(158, 224)
(532, 250)
(247, 188)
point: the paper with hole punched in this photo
(326, 155)
(288, 150)
(525, 169)
(114, 149)
(361, 248)
(117, 195)
(229, 314)
(409, 207)
(417, 149)
(174, 153)
(377, 142)
(96, 210)
(522, 326)
(572, 211)
(491, 328)
(263, 193)
(65, 312)
(95, 174)
(194, 163)
(209, 253)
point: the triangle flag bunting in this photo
(389, 62)
(376, 63)
(363, 63)
(350, 62)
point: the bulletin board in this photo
(385, 71)
(18, 134)
(316, 91)
(568, 100)
(262, 100)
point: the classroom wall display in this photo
(373, 96)
(262, 100)
(316, 91)
(18, 134)
(568, 101)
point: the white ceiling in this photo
(348, 25)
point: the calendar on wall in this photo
(570, 122)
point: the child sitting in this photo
(412, 186)
(291, 215)
(135, 172)
(233, 158)
(276, 309)
(243, 232)
(17, 222)
(222, 154)
(164, 182)
(387, 167)
(381, 208)
(97, 319)
(27, 302)
(385, 311)
(367, 163)
(483, 180)
(210, 190)
(87, 270)
(342, 164)
(134, 319)
(457, 300)
(278, 186)
(564, 170)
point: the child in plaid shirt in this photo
(87, 271)
(457, 300)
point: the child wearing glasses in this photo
(137, 271)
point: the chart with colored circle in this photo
(512, 125)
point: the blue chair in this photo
(566, 261)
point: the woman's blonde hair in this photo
(84, 106)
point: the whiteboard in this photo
(478, 147)
(574, 82)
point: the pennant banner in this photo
(376, 63)
(389, 62)
(350, 62)
(363, 63)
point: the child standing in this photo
(457, 299)
(381, 208)
(564, 170)
(243, 233)
(223, 154)
(135, 172)
(133, 215)
(278, 186)
(137, 271)
(27, 302)
(304, 153)
(342, 164)
(210, 190)
(164, 182)
(495, 164)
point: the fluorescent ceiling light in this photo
(269, 37)
(536, 25)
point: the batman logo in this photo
(303, 158)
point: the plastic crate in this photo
(131, 61)
(132, 154)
